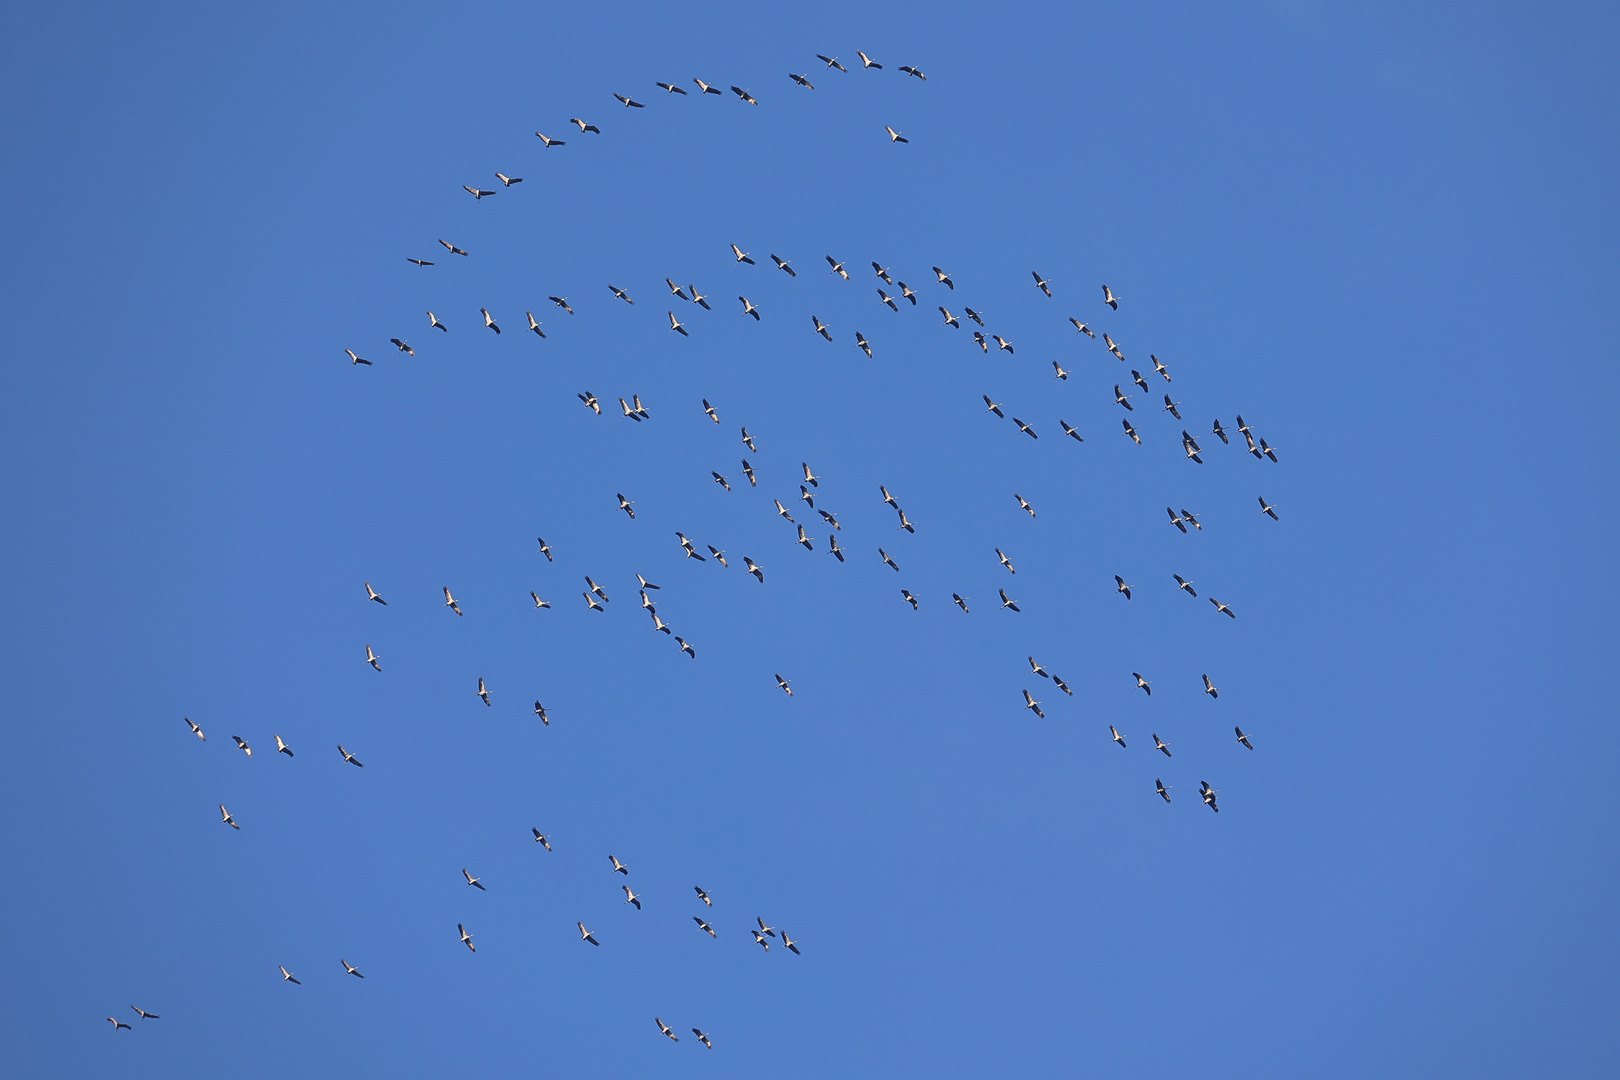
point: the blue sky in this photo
(1383, 234)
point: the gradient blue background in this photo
(1383, 233)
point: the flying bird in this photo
(759, 939)
(476, 193)
(804, 540)
(630, 897)
(549, 143)
(821, 327)
(1161, 369)
(992, 406)
(1110, 299)
(1222, 608)
(1082, 327)
(978, 339)
(831, 62)
(895, 136)
(862, 344)
(1210, 688)
(1137, 439)
(620, 294)
(451, 248)
(1159, 745)
(837, 267)
(225, 817)
(782, 264)
(1116, 736)
(1191, 519)
(905, 594)
(241, 744)
(1040, 282)
(466, 938)
(1002, 344)
(1023, 504)
(909, 70)
(1122, 398)
(540, 711)
(114, 1021)
(1220, 432)
(685, 648)
(703, 926)
(450, 601)
(748, 308)
(538, 603)
(705, 87)
(545, 549)
(287, 976)
(1006, 603)
(629, 103)
(534, 324)
(585, 935)
(353, 359)
(887, 299)
(801, 81)
(944, 279)
(960, 601)
(1025, 428)
(562, 302)
(489, 320)
(782, 685)
(541, 838)
(281, 747)
(1059, 373)
(781, 511)
(743, 95)
(349, 969)
(833, 548)
(742, 256)
(867, 61)
(143, 1014)
(703, 896)
(1121, 587)
(1070, 432)
(371, 658)
(1113, 347)
(887, 561)
(703, 1037)
(904, 523)
(474, 882)
(1170, 407)
(1208, 795)
(625, 505)
(1164, 793)
(1033, 706)
(670, 88)
(1184, 585)
(583, 126)
(1143, 684)
(197, 731)
(1242, 738)
(720, 480)
(420, 262)
(618, 867)
(482, 694)
(888, 499)
(676, 326)
(402, 346)
(1267, 509)
(665, 1029)
(1005, 561)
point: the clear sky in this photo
(1383, 233)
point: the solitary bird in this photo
(1117, 737)
(451, 248)
(1162, 370)
(742, 256)
(992, 406)
(944, 278)
(534, 324)
(781, 511)
(618, 867)
(837, 267)
(1025, 428)
(1061, 685)
(1059, 372)
(1036, 668)
(754, 568)
(1070, 432)
(544, 548)
(489, 320)
(241, 744)
(801, 81)
(541, 838)
(1135, 438)
(706, 88)
(895, 136)
(466, 938)
(670, 1035)
(1033, 706)
(1121, 587)
(629, 103)
(831, 62)
(911, 71)
(538, 603)
(719, 557)
(630, 897)
(1143, 684)
(1222, 608)
(371, 658)
(421, 262)
(1122, 398)
(685, 648)
(620, 294)
(287, 976)
(976, 316)
(549, 143)
(1184, 585)
(867, 61)
(450, 601)
(116, 1023)
(749, 308)
(720, 480)
(402, 346)
(371, 594)
(1170, 407)
(1110, 299)
(905, 594)
(676, 326)
(540, 711)
(1113, 347)
(743, 95)
(482, 693)
(804, 540)
(888, 499)
(585, 935)
(887, 299)
(1040, 282)
(1006, 603)
(703, 1037)
(703, 926)
(862, 344)
(782, 684)
(670, 88)
(1005, 561)
(474, 882)
(1002, 344)
(1082, 327)
(1267, 509)
(583, 126)
(625, 505)
(353, 359)
(350, 758)
(1176, 521)
(197, 731)
(349, 969)
(1210, 688)
(1164, 793)
(281, 747)
(978, 339)
(703, 896)
(887, 561)
(1220, 433)
(562, 302)
(1242, 738)
(1023, 504)
(783, 264)
(960, 601)
(1159, 745)
(143, 1014)
(821, 327)
(225, 817)
(476, 193)
(833, 549)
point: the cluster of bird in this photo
(890, 292)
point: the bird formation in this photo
(891, 293)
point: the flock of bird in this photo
(891, 294)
